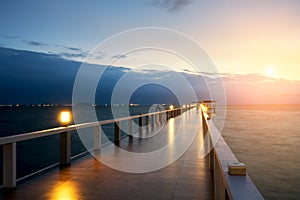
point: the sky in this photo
(243, 38)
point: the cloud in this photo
(57, 49)
(73, 55)
(69, 48)
(35, 43)
(171, 5)
(71, 52)
(119, 56)
(98, 55)
(9, 36)
(250, 78)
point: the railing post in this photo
(152, 121)
(65, 148)
(219, 187)
(97, 137)
(9, 165)
(211, 155)
(160, 118)
(117, 134)
(147, 120)
(130, 127)
(140, 125)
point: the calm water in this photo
(267, 140)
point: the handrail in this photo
(54, 131)
(9, 142)
(31, 135)
(225, 186)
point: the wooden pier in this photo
(189, 177)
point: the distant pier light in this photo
(171, 107)
(65, 117)
(208, 106)
(204, 108)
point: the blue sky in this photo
(245, 39)
(240, 36)
(76, 23)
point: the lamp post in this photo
(65, 118)
(170, 112)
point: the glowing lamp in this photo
(204, 108)
(171, 107)
(65, 117)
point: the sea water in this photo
(267, 140)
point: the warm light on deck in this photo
(171, 107)
(65, 117)
(67, 190)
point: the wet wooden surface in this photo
(87, 178)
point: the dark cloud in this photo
(9, 36)
(35, 43)
(171, 5)
(72, 52)
(69, 48)
(119, 56)
(190, 71)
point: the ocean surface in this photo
(265, 138)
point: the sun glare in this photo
(271, 72)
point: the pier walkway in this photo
(189, 177)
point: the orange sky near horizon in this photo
(256, 38)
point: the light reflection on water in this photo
(267, 139)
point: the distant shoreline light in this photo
(63, 105)
(34, 105)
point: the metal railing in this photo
(9, 143)
(226, 187)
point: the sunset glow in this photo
(271, 72)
